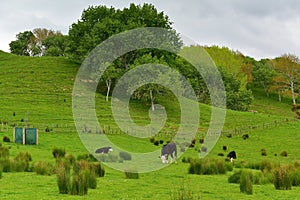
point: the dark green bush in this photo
(58, 152)
(124, 155)
(98, 169)
(246, 182)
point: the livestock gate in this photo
(25, 135)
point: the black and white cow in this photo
(168, 149)
(104, 150)
(231, 155)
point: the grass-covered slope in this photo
(43, 88)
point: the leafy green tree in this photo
(24, 45)
(30, 43)
(55, 45)
(288, 67)
(98, 23)
(263, 74)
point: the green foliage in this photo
(246, 182)
(6, 139)
(184, 192)
(235, 177)
(97, 23)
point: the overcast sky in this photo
(257, 28)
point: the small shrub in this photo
(131, 174)
(282, 180)
(58, 153)
(124, 155)
(246, 182)
(6, 139)
(284, 153)
(263, 152)
(183, 193)
(43, 168)
(21, 162)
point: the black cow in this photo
(231, 155)
(103, 150)
(168, 149)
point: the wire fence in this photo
(70, 128)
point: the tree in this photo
(263, 74)
(288, 67)
(30, 43)
(55, 45)
(23, 45)
(99, 23)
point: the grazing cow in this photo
(231, 155)
(168, 149)
(103, 150)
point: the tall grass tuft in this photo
(246, 182)
(183, 192)
(209, 166)
(63, 176)
(58, 152)
(43, 168)
(282, 180)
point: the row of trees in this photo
(98, 23)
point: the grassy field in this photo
(42, 88)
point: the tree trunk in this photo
(293, 92)
(108, 85)
(152, 101)
(279, 97)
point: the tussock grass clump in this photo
(263, 152)
(4, 151)
(21, 162)
(131, 174)
(58, 152)
(124, 155)
(282, 178)
(183, 192)
(209, 166)
(246, 182)
(63, 176)
(43, 168)
(88, 157)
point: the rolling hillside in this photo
(41, 88)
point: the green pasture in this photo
(41, 88)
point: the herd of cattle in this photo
(168, 151)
